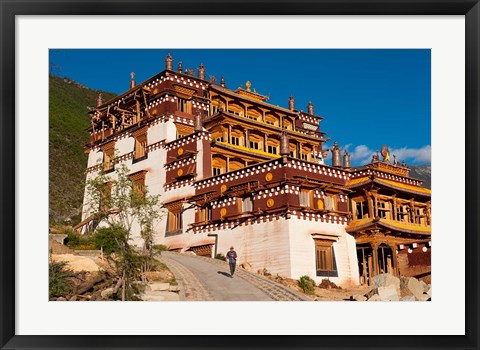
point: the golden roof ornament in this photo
(248, 93)
(385, 152)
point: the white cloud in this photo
(362, 154)
(421, 155)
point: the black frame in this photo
(10, 8)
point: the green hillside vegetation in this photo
(68, 119)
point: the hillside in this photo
(68, 118)
(422, 172)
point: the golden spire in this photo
(248, 84)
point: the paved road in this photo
(202, 278)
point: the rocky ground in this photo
(94, 278)
(385, 287)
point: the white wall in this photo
(302, 249)
(262, 245)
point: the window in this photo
(108, 161)
(292, 154)
(219, 139)
(402, 214)
(138, 186)
(272, 149)
(140, 148)
(287, 125)
(235, 141)
(184, 105)
(108, 156)
(419, 216)
(174, 222)
(361, 209)
(306, 198)
(330, 202)
(254, 145)
(205, 214)
(383, 209)
(271, 120)
(219, 165)
(305, 153)
(325, 258)
(247, 205)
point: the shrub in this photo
(59, 279)
(109, 238)
(78, 241)
(220, 256)
(307, 284)
(73, 238)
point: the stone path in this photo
(203, 278)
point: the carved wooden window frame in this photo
(140, 144)
(138, 180)
(325, 260)
(108, 156)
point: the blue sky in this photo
(367, 97)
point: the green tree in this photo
(116, 202)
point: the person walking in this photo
(232, 260)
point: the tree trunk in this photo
(85, 287)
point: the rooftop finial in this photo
(222, 81)
(336, 161)
(248, 85)
(291, 103)
(201, 72)
(180, 67)
(169, 62)
(346, 159)
(385, 154)
(132, 80)
(310, 107)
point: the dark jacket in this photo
(232, 256)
